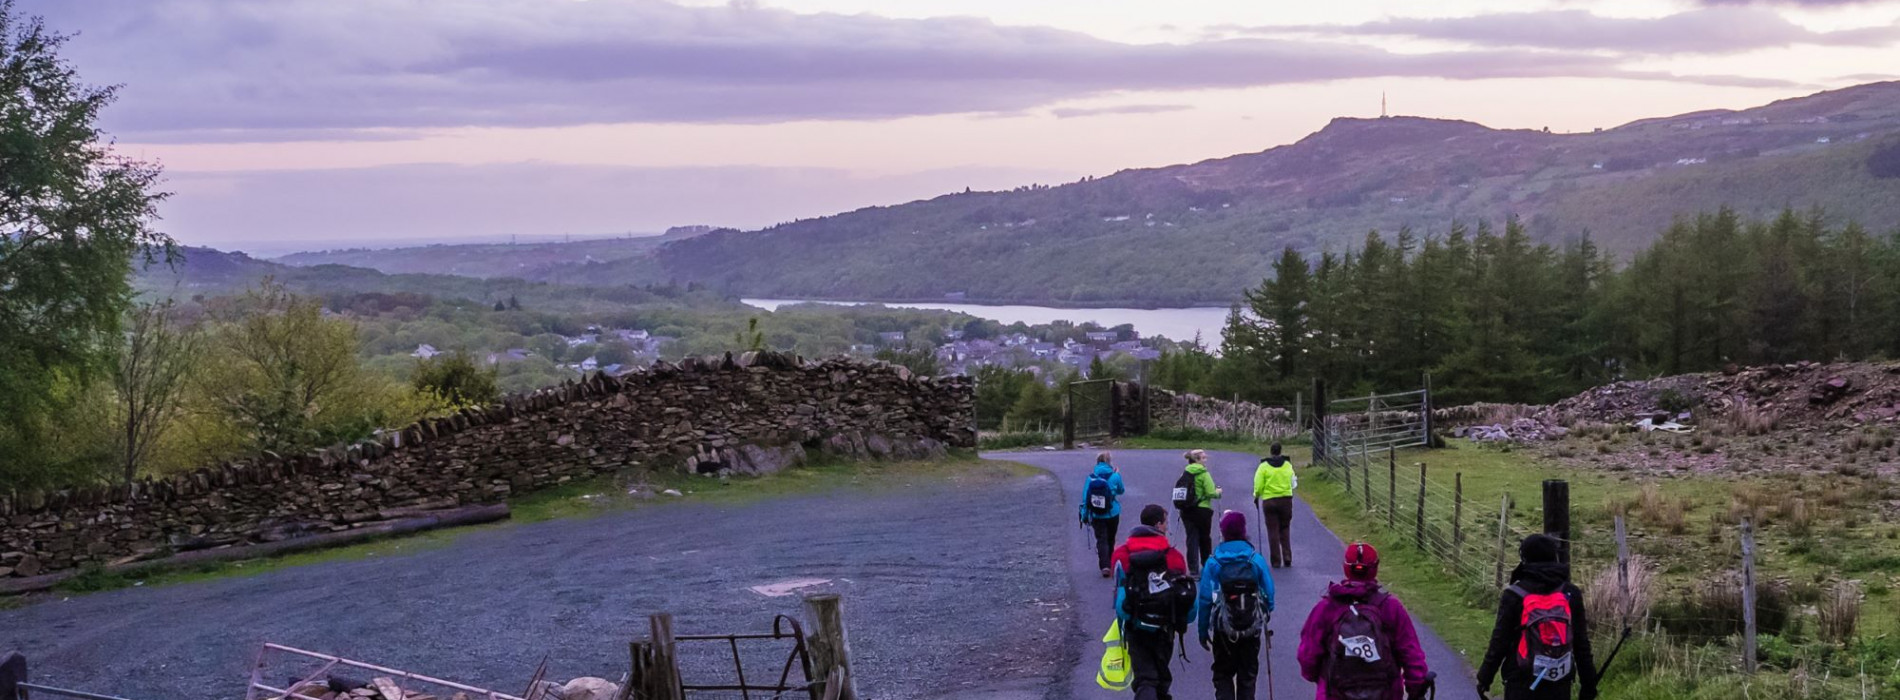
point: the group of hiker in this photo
(1358, 643)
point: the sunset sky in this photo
(294, 124)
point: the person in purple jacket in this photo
(1359, 643)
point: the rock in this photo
(588, 688)
(29, 566)
(386, 687)
(673, 492)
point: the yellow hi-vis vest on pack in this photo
(1114, 673)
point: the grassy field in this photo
(1816, 530)
(591, 498)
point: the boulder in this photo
(589, 688)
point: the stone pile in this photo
(754, 413)
(1801, 393)
(1520, 430)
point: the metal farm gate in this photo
(1356, 430)
(1088, 411)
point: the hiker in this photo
(1194, 495)
(1231, 612)
(1273, 484)
(1541, 641)
(1359, 641)
(1150, 583)
(1101, 508)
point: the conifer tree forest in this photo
(1494, 316)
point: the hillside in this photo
(1198, 232)
(526, 260)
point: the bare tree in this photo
(149, 377)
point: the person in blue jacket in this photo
(1101, 508)
(1231, 610)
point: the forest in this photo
(1493, 316)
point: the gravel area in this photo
(940, 578)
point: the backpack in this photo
(1186, 492)
(1544, 645)
(1101, 496)
(1154, 598)
(1359, 663)
(1238, 612)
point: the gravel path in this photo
(1149, 476)
(939, 578)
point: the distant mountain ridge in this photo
(1201, 232)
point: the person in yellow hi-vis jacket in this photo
(1273, 484)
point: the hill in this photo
(526, 260)
(1199, 232)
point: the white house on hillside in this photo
(425, 351)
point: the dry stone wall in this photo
(754, 413)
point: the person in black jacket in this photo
(1539, 572)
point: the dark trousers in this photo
(1545, 691)
(1105, 530)
(1236, 666)
(1148, 656)
(1199, 524)
(1277, 514)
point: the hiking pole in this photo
(1269, 650)
(1613, 650)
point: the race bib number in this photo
(1180, 494)
(1158, 583)
(1361, 647)
(1098, 502)
(1551, 668)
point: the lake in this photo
(1175, 324)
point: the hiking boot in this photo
(1106, 574)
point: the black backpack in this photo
(1359, 663)
(1238, 612)
(1187, 494)
(1100, 497)
(1154, 598)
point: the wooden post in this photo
(1298, 411)
(665, 668)
(638, 672)
(1391, 489)
(1457, 521)
(1504, 534)
(12, 674)
(1348, 479)
(830, 647)
(1557, 515)
(1748, 596)
(1623, 570)
(1421, 506)
(1365, 459)
(1320, 448)
(1425, 409)
(1068, 417)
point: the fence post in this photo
(830, 649)
(1748, 596)
(1068, 417)
(1458, 521)
(1623, 570)
(1421, 506)
(1319, 420)
(1348, 478)
(665, 669)
(1557, 515)
(1365, 459)
(1425, 410)
(1504, 521)
(1391, 488)
(1298, 409)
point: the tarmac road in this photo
(1149, 476)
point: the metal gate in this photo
(1355, 429)
(1088, 411)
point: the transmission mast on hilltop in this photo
(1382, 112)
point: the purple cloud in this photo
(1706, 31)
(215, 70)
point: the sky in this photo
(310, 124)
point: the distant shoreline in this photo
(1143, 305)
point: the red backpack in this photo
(1544, 645)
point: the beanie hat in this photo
(1539, 548)
(1362, 562)
(1233, 526)
(1152, 515)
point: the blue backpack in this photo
(1100, 496)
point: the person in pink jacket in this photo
(1359, 643)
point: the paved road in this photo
(1149, 476)
(939, 577)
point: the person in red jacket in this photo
(1150, 642)
(1362, 637)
